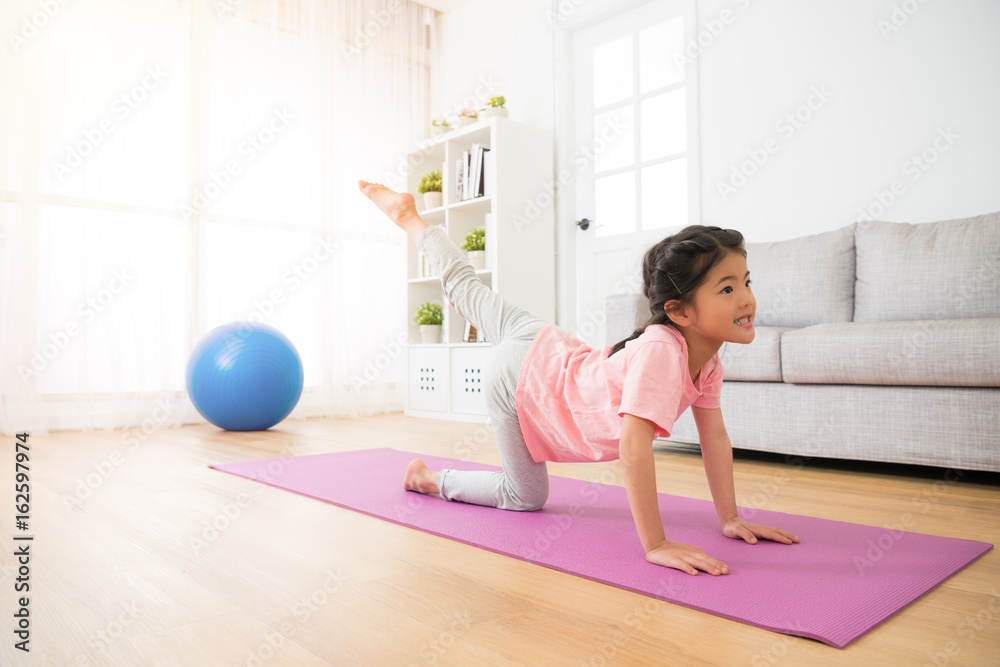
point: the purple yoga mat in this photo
(839, 582)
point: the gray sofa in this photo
(878, 341)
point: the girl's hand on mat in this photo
(685, 557)
(737, 528)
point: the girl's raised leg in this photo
(523, 484)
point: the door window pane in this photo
(663, 125)
(664, 194)
(657, 45)
(614, 204)
(614, 138)
(613, 71)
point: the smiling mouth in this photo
(743, 320)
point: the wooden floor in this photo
(148, 557)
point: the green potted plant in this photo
(439, 127)
(429, 317)
(475, 243)
(430, 188)
(495, 107)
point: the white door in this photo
(632, 111)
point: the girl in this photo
(552, 398)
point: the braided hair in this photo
(674, 268)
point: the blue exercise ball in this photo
(244, 377)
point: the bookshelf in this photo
(447, 380)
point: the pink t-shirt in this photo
(571, 398)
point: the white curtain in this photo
(173, 165)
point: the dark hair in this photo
(676, 266)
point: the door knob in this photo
(584, 224)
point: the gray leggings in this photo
(523, 484)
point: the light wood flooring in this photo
(148, 557)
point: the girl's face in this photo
(724, 306)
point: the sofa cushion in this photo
(930, 271)
(957, 353)
(804, 281)
(759, 361)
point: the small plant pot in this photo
(438, 130)
(430, 333)
(432, 199)
(478, 259)
(465, 120)
(493, 111)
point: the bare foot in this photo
(420, 478)
(400, 207)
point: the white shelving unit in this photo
(447, 380)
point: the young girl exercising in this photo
(552, 398)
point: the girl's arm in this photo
(636, 452)
(717, 454)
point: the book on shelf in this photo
(472, 335)
(476, 161)
(474, 173)
(466, 190)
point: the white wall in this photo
(889, 95)
(506, 45)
